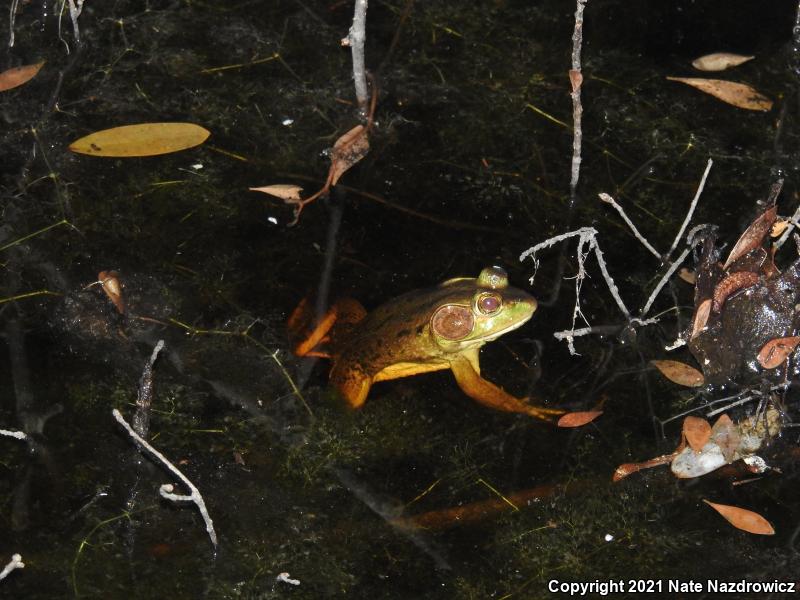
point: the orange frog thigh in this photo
(488, 394)
(353, 385)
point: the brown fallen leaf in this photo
(776, 351)
(109, 281)
(743, 519)
(578, 419)
(143, 139)
(347, 151)
(697, 431)
(700, 319)
(739, 95)
(679, 372)
(719, 61)
(730, 285)
(726, 435)
(687, 275)
(284, 191)
(15, 77)
(778, 228)
(752, 237)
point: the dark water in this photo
(469, 166)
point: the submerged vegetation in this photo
(461, 162)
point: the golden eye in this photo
(489, 303)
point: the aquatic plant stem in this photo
(166, 489)
(20, 435)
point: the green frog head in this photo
(476, 311)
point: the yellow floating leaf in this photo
(578, 419)
(284, 191)
(18, 75)
(679, 373)
(743, 519)
(719, 61)
(143, 139)
(740, 95)
(697, 431)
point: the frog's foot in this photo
(488, 394)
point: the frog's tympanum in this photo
(422, 331)
(742, 305)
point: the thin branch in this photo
(16, 563)
(691, 208)
(576, 79)
(166, 489)
(609, 200)
(355, 39)
(20, 435)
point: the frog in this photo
(422, 331)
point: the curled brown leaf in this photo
(736, 94)
(730, 285)
(752, 237)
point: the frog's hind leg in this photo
(490, 395)
(309, 334)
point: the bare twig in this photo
(576, 79)
(355, 39)
(609, 200)
(141, 418)
(166, 489)
(691, 208)
(20, 435)
(16, 563)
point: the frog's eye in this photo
(452, 322)
(489, 303)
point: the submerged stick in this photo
(16, 563)
(355, 39)
(166, 489)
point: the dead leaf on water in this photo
(679, 372)
(697, 431)
(700, 319)
(15, 77)
(347, 151)
(687, 275)
(726, 435)
(740, 95)
(109, 281)
(578, 419)
(779, 227)
(776, 351)
(719, 61)
(752, 237)
(284, 191)
(743, 519)
(143, 139)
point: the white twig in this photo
(792, 224)
(609, 200)
(672, 268)
(166, 489)
(16, 563)
(355, 39)
(284, 577)
(612, 287)
(576, 80)
(691, 208)
(20, 435)
(12, 17)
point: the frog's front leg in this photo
(490, 395)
